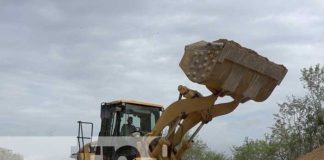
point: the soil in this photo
(317, 154)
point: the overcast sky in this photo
(60, 59)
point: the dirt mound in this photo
(317, 154)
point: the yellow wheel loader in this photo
(139, 130)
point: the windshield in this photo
(124, 120)
(138, 118)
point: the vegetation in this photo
(255, 149)
(200, 150)
(8, 155)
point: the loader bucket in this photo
(226, 68)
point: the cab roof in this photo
(135, 102)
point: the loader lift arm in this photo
(183, 115)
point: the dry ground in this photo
(317, 154)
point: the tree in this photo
(299, 124)
(9, 155)
(255, 149)
(200, 150)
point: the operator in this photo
(128, 128)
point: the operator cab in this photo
(126, 117)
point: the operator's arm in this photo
(131, 129)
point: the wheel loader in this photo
(140, 130)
